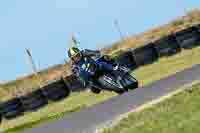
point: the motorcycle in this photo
(103, 80)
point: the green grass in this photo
(146, 75)
(179, 114)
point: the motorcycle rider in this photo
(80, 60)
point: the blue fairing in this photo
(83, 70)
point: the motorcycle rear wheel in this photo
(95, 90)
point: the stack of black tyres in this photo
(0, 115)
(188, 38)
(126, 59)
(56, 91)
(146, 54)
(11, 109)
(167, 46)
(34, 100)
(74, 84)
(198, 27)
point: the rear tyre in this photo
(11, 109)
(95, 90)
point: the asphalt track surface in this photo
(89, 119)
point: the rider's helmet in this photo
(74, 54)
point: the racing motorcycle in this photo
(103, 80)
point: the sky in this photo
(45, 26)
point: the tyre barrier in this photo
(0, 115)
(73, 84)
(146, 54)
(188, 38)
(56, 91)
(11, 109)
(34, 100)
(127, 59)
(198, 27)
(167, 46)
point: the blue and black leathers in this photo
(80, 68)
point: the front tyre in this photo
(130, 82)
(121, 91)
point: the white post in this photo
(116, 23)
(73, 41)
(33, 66)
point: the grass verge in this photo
(146, 75)
(179, 114)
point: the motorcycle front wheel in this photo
(130, 82)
